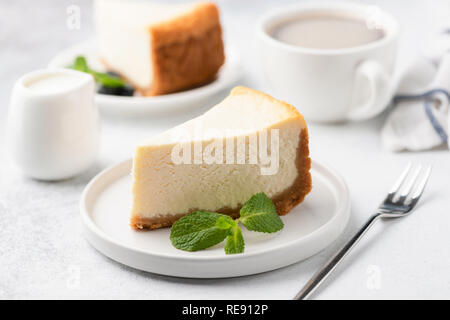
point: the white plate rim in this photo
(156, 104)
(343, 212)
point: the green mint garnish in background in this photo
(107, 80)
(104, 79)
(204, 229)
(80, 64)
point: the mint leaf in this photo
(235, 241)
(200, 230)
(107, 80)
(259, 214)
(225, 222)
(80, 64)
(104, 79)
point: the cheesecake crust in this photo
(186, 64)
(283, 201)
(187, 51)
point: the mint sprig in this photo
(105, 79)
(204, 229)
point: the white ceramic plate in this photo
(228, 75)
(309, 228)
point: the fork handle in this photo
(331, 264)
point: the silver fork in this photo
(399, 202)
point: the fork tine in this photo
(421, 186)
(406, 190)
(399, 182)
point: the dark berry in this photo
(126, 90)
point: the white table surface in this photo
(44, 255)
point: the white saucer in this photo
(228, 75)
(309, 228)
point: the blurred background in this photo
(31, 33)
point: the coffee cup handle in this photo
(372, 90)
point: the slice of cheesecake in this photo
(248, 143)
(160, 48)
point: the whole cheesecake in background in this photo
(165, 188)
(160, 48)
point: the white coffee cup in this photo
(53, 129)
(331, 85)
